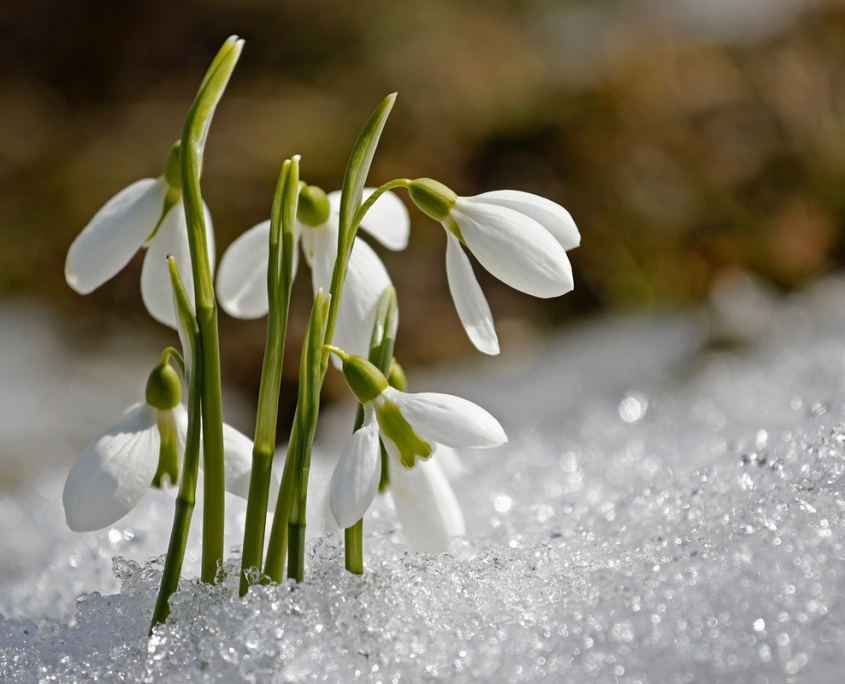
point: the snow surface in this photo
(662, 514)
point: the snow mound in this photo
(689, 529)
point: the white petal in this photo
(470, 302)
(450, 461)
(430, 514)
(448, 419)
(553, 217)
(115, 233)
(171, 238)
(356, 477)
(387, 220)
(366, 280)
(320, 247)
(514, 248)
(113, 472)
(242, 278)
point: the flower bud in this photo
(434, 198)
(313, 209)
(164, 389)
(364, 379)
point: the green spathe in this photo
(164, 389)
(434, 198)
(364, 379)
(172, 168)
(313, 209)
(399, 431)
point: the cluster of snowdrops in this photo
(401, 441)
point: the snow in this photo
(664, 513)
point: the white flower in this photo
(242, 278)
(127, 222)
(518, 237)
(116, 469)
(410, 426)
(426, 504)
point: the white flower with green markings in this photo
(425, 502)
(518, 237)
(149, 213)
(410, 426)
(143, 449)
(242, 277)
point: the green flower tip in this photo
(434, 198)
(231, 49)
(399, 431)
(172, 168)
(313, 209)
(364, 379)
(164, 389)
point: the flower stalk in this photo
(186, 498)
(279, 282)
(381, 356)
(294, 487)
(291, 506)
(192, 147)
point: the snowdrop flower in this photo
(242, 278)
(518, 237)
(149, 213)
(426, 504)
(143, 449)
(410, 426)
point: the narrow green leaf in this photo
(186, 319)
(359, 163)
(279, 281)
(192, 149)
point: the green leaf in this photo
(359, 165)
(310, 382)
(192, 148)
(384, 330)
(186, 320)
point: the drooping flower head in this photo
(149, 213)
(143, 449)
(410, 426)
(242, 277)
(518, 237)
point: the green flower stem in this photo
(371, 200)
(186, 497)
(172, 353)
(279, 282)
(381, 355)
(289, 521)
(274, 566)
(353, 546)
(310, 382)
(293, 490)
(350, 202)
(192, 148)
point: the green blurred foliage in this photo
(677, 154)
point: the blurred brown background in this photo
(686, 137)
